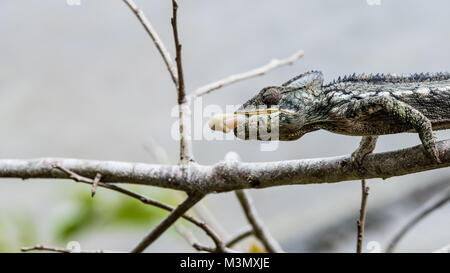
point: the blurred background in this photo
(86, 81)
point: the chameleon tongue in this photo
(225, 122)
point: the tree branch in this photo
(148, 201)
(190, 238)
(178, 60)
(240, 235)
(203, 213)
(246, 75)
(178, 212)
(60, 249)
(184, 112)
(362, 216)
(156, 40)
(229, 176)
(259, 229)
(433, 205)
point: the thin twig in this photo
(246, 202)
(433, 205)
(95, 184)
(46, 248)
(178, 212)
(204, 213)
(260, 230)
(239, 236)
(246, 75)
(178, 59)
(148, 201)
(60, 249)
(362, 216)
(156, 40)
(190, 238)
(184, 113)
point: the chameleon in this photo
(367, 105)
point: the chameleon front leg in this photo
(401, 112)
(366, 146)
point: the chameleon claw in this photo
(366, 146)
(436, 156)
(356, 159)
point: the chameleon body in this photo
(357, 105)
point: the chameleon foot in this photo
(366, 146)
(429, 141)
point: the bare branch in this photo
(95, 184)
(148, 201)
(433, 205)
(246, 75)
(178, 212)
(229, 176)
(190, 238)
(178, 59)
(46, 248)
(362, 216)
(240, 235)
(257, 226)
(60, 249)
(259, 229)
(184, 112)
(207, 216)
(156, 40)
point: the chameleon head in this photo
(267, 116)
(276, 112)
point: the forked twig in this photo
(211, 233)
(259, 229)
(240, 235)
(190, 238)
(178, 212)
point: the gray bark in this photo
(233, 175)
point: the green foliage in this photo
(108, 209)
(255, 247)
(79, 218)
(16, 230)
(25, 229)
(4, 243)
(130, 211)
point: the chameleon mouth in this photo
(226, 122)
(229, 122)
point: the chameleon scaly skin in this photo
(357, 105)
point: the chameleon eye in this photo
(270, 95)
